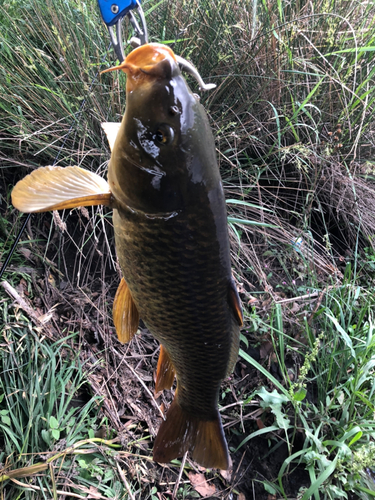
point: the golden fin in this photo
(111, 131)
(235, 302)
(234, 348)
(56, 188)
(125, 313)
(181, 432)
(237, 321)
(165, 371)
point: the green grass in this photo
(293, 119)
(48, 419)
(331, 401)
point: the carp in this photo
(171, 236)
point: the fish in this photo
(172, 242)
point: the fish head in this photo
(165, 142)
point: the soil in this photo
(78, 287)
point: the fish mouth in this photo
(146, 63)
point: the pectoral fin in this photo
(57, 188)
(165, 371)
(111, 131)
(125, 313)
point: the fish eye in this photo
(164, 134)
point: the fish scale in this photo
(172, 243)
(172, 312)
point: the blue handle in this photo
(113, 10)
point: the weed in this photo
(45, 425)
(332, 401)
(293, 120)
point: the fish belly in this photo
(179, 283)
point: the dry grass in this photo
(293, 120)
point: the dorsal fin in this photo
(111, 130)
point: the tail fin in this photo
(182, 432)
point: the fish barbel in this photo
(172, 243)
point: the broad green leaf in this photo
(46, 436)
(356, 437)
(259, 432)
(300, 394)
(5, 419)
(263, 370)
(271, 398)
(270, 489)
(55, 434)
(53, 423)
(345, 336)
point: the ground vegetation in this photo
(293, 119)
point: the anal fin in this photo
(58, 188)
(165, 372)
(125, 313)
(182, 432)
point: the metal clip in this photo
(113, 16)
(142, 34)
(116, 39)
